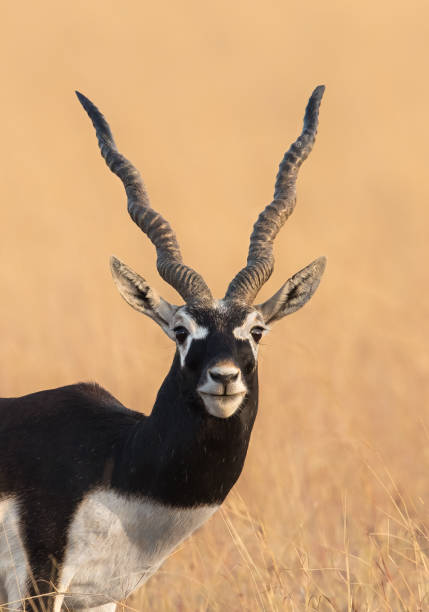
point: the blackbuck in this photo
(94, 496)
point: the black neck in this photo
(183, 456)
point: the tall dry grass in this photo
(331, 510)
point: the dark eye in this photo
(181, 334)
(257, 333)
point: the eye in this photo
(257, 333)
(181, 334)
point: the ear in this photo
(294, 293)
(135, 290)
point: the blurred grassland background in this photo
(204, 97)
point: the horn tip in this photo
(82, 99)
(90, 108)
(318, 92)
(312, 110)
(316, 97)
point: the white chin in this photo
(222, 406)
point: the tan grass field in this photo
(331, 512)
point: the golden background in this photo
(204, 98)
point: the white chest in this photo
(13, 559)
(115, 543)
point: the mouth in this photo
(223, 395)
(220, 405)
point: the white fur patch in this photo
(195, 331)
(116, 543)
(253, 319)
(222, 406)
(222, 400)
(13, 559)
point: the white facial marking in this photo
(116, 543)
(13, 559)
(253, 319)
(222, 406)
(223, 389)
(195, 332)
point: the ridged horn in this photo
(260, 261)
(188, 283)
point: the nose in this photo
(224, 374)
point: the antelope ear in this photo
(294, 293)
(135, 290)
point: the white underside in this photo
(115, 544)
(13, 560)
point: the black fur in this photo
(58, 445)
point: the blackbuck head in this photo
(217, 340)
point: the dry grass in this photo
(331, 511)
